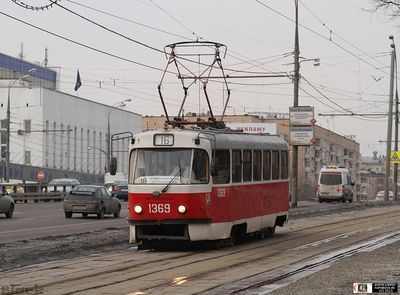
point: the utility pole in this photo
(390, 120)
(296, 77)
(396, 141)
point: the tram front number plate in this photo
(163, 139)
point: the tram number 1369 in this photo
(159, 208)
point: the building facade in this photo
(55, 130)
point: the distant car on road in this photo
(120, 190)
(7, 204)
(380, 196)
(91, 199)
(62, 184)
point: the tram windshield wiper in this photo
(179, 172)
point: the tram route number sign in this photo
(163, 139)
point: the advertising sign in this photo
(301, 135)
(301, 116)
(269, 128)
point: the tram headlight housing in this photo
(138, 209)
(181, 209)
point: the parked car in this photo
(380, 196)
(7, 204)
(62, 184)
(120, 190)
(10, 188)
(91, 199)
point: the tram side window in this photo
(275, 165)
(236, 166)
(266, 165)
(200, 167)
(247, 165)
(284, 165)
(256, 165)
(224, 167)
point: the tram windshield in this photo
(162, 166)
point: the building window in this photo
(27, 158)
(3, 137)
(4, 124)
(317, 154)
(27, 126)
(3, 151)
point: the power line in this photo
(128, 20)
(316, 89)
(321, 36)
(332, 32)
(84, 45)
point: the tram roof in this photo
(236, 140)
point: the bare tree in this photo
(391, 7)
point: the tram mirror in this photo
(113, 166)
(214, 167)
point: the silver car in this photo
(91, 199)
(7, 205)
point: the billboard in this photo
(269, 128)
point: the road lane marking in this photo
(56, 226)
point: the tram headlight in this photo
(181, 209)
(138, 209)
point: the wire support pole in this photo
(390, 119)
(296, 76)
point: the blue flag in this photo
(78, 81)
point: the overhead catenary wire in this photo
(332, 32)
(82, 44)
(321, 36)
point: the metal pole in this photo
(108, 141)
(7, 172)
(396, 141)
(295, 103)
(390, 119)
(120, 104)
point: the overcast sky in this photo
(351, 42)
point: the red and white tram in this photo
(237, 184)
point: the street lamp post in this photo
(120, 104)
(99, 149)
(7, 172)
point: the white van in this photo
(334, 183)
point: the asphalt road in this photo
(37, 220)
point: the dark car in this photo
(91, 199)
(6, 204)
(120, 190)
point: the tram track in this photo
(214, 262)
(301, 268)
